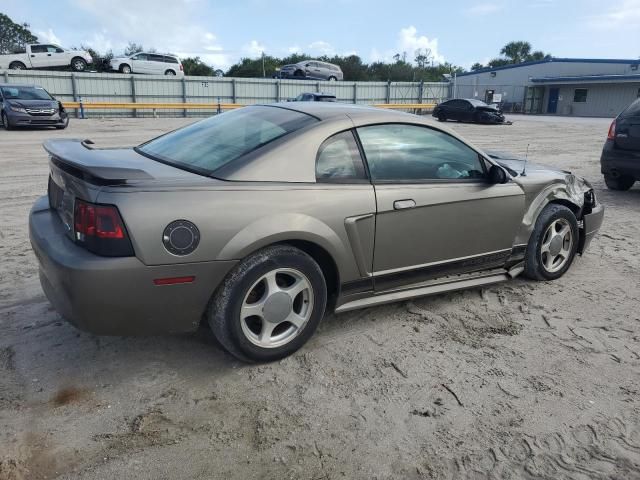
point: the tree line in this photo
(421, 67)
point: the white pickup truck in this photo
(46, 56)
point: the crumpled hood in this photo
(538, 174)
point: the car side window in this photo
(38, 48)
(412, 153)
(339, 160)
(140, 56)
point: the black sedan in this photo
(468, 110)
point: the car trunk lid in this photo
(78, 170)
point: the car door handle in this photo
(32, 55)
(402, 204)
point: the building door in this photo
(552, 107)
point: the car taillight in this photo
(181, 68)
(99, 228)
(612, 131)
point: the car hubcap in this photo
(556, 245)
(276, 308)
(79, 65)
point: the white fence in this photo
(120, 88)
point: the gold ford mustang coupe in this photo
(262, 219)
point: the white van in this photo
(149, 63)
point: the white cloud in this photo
(163, 28)
(254, 49)
(626, 14)
(321, 47)
(408, 42)
(48, 37)
(483, 9)
(294, 49)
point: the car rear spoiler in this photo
(93, 165)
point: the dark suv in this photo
(620, 160)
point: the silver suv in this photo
(312, 70)
(149, 63)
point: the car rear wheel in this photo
(5, 122)
(78, 64)
(269, 305)
(553, 243)
(125, 68)
(442, 117)
(17, 66)
(170, 72)
(621, 182)
(333, 79)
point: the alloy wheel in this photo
(276, 308)
(557, 244)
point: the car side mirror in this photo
(497, 175)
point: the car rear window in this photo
(205, 146)
(632, 110)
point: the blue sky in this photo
(222, 31)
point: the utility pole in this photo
(264, 75)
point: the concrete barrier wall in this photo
(116, 87)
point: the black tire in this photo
(623, 182)
(298, 73)
(124, 68)
(170, 72)
(333, 79)
(5, 122)
(442, 117)
(78, 64)
(223, 313)
(17, 66)
(534, 267)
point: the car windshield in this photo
(205, 146)
(25, 93)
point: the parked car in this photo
(315, 97)
(149, 63)
(28, 106)
(46, 56)
(272, 214)
(468, 110)
(311, 70)
(620, 159)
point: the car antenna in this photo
(524, 167)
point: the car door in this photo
(39, 56)
(56, 56)
(436, 212)
(157, 65)
(139, 63)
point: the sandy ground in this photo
(520, 380)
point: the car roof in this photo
(330, 110)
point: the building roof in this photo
(588, 79)
(555, 60)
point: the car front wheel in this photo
(269, 305)
(78, 64)
(5, 121)
(553, 243)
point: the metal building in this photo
(565, 86)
